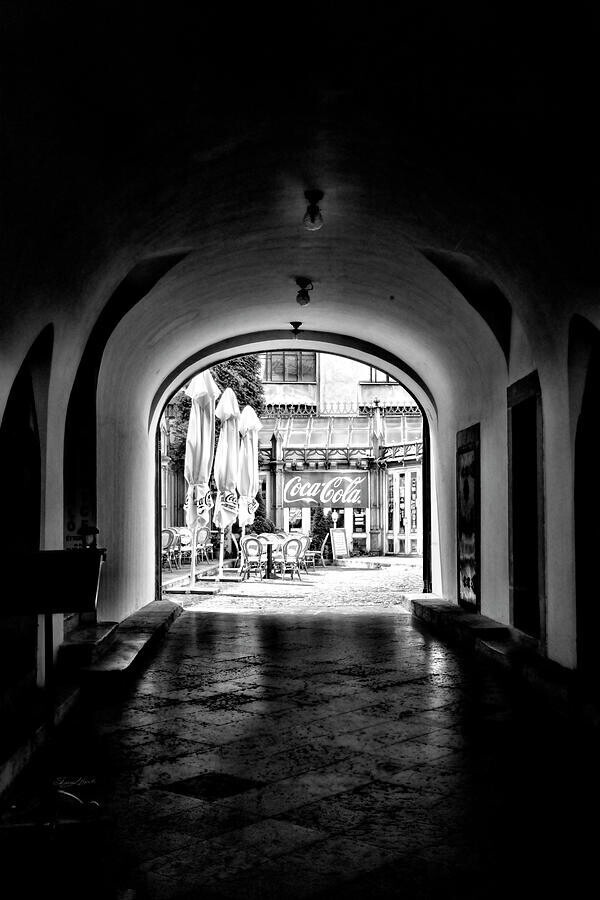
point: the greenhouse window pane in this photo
(360, 436)
(263, 366)
(339, 434)
(265, 435)
(319, 435)
(393, 431)
(277, 366)
(309, 366)
(291, 366)
(414, 429)
(297, 437)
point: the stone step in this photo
(465, 626)
(180, 584)
(133, 640)
(85, 644)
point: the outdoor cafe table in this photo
(275, 541)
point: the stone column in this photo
(376, 542)
(277, 479)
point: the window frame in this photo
(383, 379)
(299, 360)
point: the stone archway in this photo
(385, 361)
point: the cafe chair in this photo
(176, 548)
(311, 556)
(290, 558)
(305, 539)
(166, 550)
(252, 557)
(204, 547)
(185, 545)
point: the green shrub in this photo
(320, 529)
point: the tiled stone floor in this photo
(285, 755)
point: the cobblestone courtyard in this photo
(332, 587)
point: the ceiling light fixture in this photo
(305, 285)
(296, 326)
(313, 220)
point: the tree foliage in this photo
(242, 375)
(320, 529)
(178, 425)
(261, 523)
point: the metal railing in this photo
(359, 457)
(339, 408)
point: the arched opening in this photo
(585, 398)
(22, 457)
(526, 507)
(324, 416)
(79, 459)
(195, 318)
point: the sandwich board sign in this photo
(339, 545)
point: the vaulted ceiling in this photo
(130, 132)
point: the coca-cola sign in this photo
(325, 489)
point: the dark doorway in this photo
(426, 508)
(468, 518)
(20, 463)
(587, 521)
(526, 507)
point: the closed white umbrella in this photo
(227, 465)
(199, 454)
(248, 478)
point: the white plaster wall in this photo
(387, 394)
(291, 393)
(436, 558)
(521, 357)
(126, 515)
(338, 380)
(559, 513)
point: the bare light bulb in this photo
(302, 297)
(313, 220)
(305, 285)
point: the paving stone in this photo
(363, 757)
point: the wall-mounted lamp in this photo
(87, 535)
(305, 285)
(313, 220)
(295, 327)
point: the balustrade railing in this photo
(411, 451)
(339, 408)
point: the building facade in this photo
(172, 481)
(347, 438)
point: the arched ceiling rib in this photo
(373, 294)
(345, 345)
